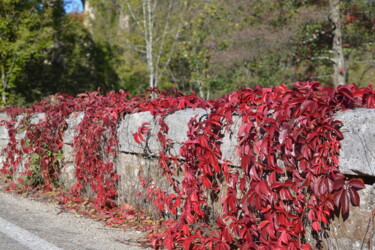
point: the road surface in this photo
(29, 224)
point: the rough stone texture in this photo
(73, 121)
(67, 175)
(357, 155)
(129, 125)
(4, 133)
(176, 122)
(230, 141)
(131, 167)
(4, 117)
(178, 126)
(354, 233)
(37, 118)
(4, 137)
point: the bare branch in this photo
(136, 19)
(161, 47)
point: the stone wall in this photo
(140, 160)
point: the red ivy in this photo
(288, 143)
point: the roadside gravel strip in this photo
(29, 224)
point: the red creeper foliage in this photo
(288, 145)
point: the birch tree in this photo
(158, 24)
(338, 59)
(145, 31)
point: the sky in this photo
(73, 6)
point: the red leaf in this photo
(168, 242)
(308, 104)
(354, 197)
(264, 188)
(136, 137)
(284, 237)
(344, 200)
(337, 198)
(262, 224)
(282, 136)
(338, 184)
(316, 226)
(206, 182)
(357, 183)
(306, 247)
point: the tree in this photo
(146, 31)
(217, 46)
(269, 42)
(25, 32)
(339, 40)
(74, 64)
(338, 59)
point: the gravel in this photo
(65, 230)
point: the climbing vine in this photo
(288, 145)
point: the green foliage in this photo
(74, 64)
(26, 29)
(211, 47)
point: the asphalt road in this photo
(9, 243)
(29, 224)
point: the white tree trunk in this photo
(339, 66)
(148, 34)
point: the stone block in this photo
(178, 126)
(177, 132)
(357, 155)
(353, 233)
(4, 117)
(73, 121)
(129, 125)
(37, 118)
(4, 133)
(131, 167)
(3, 144)
(68, 153)
(67, 176)
(229, 148)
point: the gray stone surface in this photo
(4, 133)
(176, 122)
(178, 126)
(67, 176)
(357, 155)
(73, 121)
(229, 147)
(37, 118)
(129, 125)
(3, 143)
(133, 167)
(68, 153)
(353, 233)
(4, 117)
